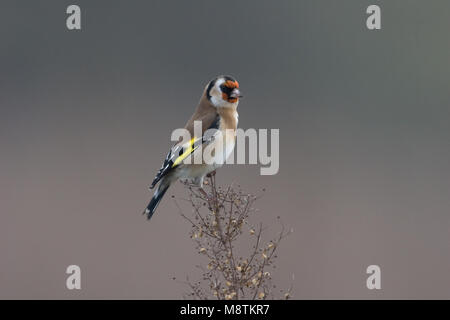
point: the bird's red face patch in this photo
(230, 85)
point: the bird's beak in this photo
(235, 94)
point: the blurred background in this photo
(86, 117)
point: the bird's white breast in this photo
(225, 142)
(230, 143)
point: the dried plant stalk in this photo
(220, 226)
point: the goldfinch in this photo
(217, 113)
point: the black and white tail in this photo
(156, 199)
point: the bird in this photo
(217, 113)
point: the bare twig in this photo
(220, 220)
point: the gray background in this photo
(85, 118)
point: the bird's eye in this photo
(225, 89)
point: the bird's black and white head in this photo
(223, 91)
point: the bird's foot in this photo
(211, 174)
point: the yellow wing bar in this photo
(189, 149)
